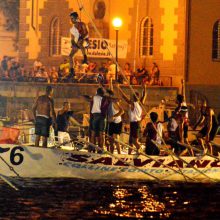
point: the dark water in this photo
(83, 199)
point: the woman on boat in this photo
(135, 116)
(210, 128)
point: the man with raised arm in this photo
(64, 118)
(44, 116)
(79, 39)
(115, 112)
(135, 115)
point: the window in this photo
(216, 41)
(55, 37)
(146, 37)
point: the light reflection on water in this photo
(81, 199)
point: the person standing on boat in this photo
(210, 128)
(153, 132)
(180, 115)
(79, 39)
(44, 115)
(182, 118)
(64, 117)
(135, 116)
(99, 109)
(115, 112)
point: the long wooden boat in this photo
(37, 162)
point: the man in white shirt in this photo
(79, 39)
(135, 116)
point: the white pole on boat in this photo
(8, 182)
(118, 158)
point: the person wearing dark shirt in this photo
(64, 117)
(153, 132)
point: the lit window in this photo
(216, 41)
(55, 37)
(146, 37)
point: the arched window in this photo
(216, 41)
(146, 37)
(55, 37)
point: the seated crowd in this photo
(12, 70)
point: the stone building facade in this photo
(147, 25)
(182, 36)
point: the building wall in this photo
(168, 19)
(202, 70)
(35, 21)
(203, 75)
(6, 40)
(169, 37)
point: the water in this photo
(83, 199)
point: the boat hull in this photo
(37, 162)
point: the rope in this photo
(10, 167)
(80, 9)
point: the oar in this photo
(197, 150)
(143, 154)
(118, 158)
(170, 152)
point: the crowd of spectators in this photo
(12, 70)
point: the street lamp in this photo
(117, 23)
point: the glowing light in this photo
(117, 23)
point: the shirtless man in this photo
(79, 39)
(43, 111)
(210, 128)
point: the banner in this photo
(98, 48)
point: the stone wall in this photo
(20, 96)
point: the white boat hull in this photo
(37, 162)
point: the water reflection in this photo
(84, 199)
(134, 203)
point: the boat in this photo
(38, 162)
